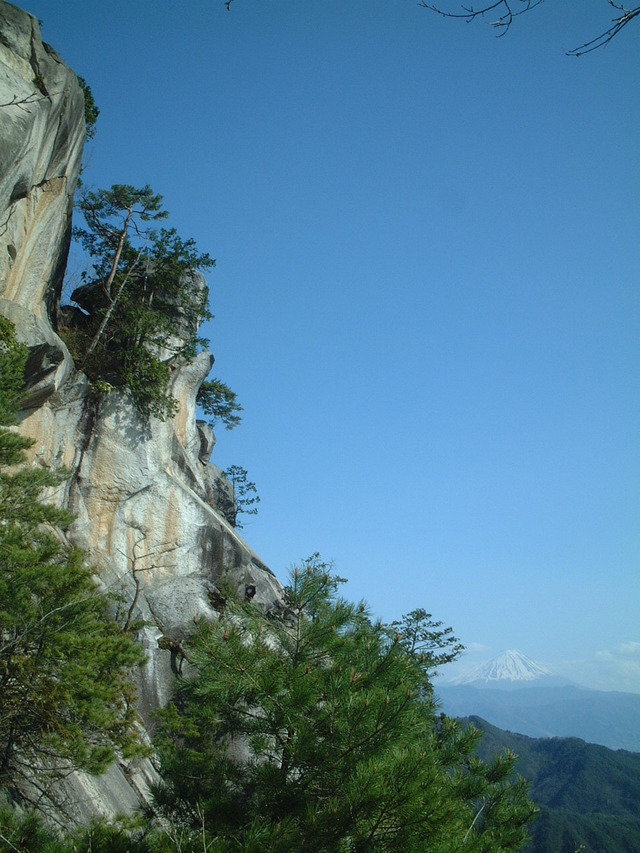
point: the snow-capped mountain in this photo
(512, 666)
(515, 693)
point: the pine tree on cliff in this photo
(142, 303)
(315, 729)
(65, 694)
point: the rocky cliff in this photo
(142, 491)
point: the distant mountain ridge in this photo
(517, 694)
(608, 719)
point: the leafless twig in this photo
(505, 10)
(4, 226)
(135, 569)
(33, 98)
(619, 23)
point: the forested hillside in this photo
(588, 795)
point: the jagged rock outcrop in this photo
(143, 492)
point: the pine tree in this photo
(315, 729)
(236, 495)
(65, 692)
(220, 403)
(141, 302)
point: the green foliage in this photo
(240, 498)
(220, 403)
(13, 357)
(109, 215)
(65, 695)
(27, 833)
(91, 111)
(142, 302)
(147, 378)
(427, 640)
(587, 794)
(314, 729)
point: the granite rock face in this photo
(143, 491)
(41, 142)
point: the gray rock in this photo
(207, 441)
(141, 490)
(41, 140)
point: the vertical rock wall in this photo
(41, 142)
(141, 490)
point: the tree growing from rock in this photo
(91, 111)
(142, 302)
(236, 495)
(314, 728)
(220, 403)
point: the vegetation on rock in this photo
(143, 301)
(91, 111)
(65, 693)
(236, 495)
(220, 403)
(310, 727)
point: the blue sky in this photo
(426, 294)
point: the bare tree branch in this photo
(33, 98)
(135, 568)
(4, 226)
(507, 10)
(619, 23)
(504, 8)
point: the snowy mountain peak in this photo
(511, 666)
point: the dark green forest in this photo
(588, 795)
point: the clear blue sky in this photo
(426, 295)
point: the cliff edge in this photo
(142, 490)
